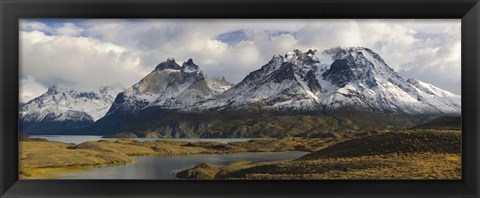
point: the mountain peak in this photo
(105, 88)
(277, 58)
(68, 104)
(311, 52)
(54, 89)
(190, 61)
(299, 58)
(352, 65)
(168, 64)
(189, 66)
(357, 48)
(342, 52)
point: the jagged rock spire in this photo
(168, 64)
(299, 58)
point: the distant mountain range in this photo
(61, 110)
(298, 94)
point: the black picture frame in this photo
(12, 10)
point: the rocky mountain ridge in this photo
(61, 109)
(342, 87)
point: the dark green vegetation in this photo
(249, 124)
(411, 154)
(54, 127)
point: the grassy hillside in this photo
(411, 154)
(393, 142)
(39, 156)
(443, 123)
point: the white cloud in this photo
(66, 28)
(76, 61)
(69, 29)
(428, 50)
(29, 89)
(34, 25)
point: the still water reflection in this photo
(165, 167)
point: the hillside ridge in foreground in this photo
(413, 154)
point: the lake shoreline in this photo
(406, 154)
(39, 157)
(165, 167)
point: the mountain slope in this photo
(340, 89)
(338, 79)
(61, 110)
(362, 80)
(278, 85)
(170, 87)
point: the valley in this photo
(342, 113)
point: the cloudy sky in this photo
(87, 54)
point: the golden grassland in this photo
(38, 157)
(393, 166)
(406, 154)
(414, 154)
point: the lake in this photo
(77, 139)
(165, 167)
(159, 167)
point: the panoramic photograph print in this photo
(242, 99)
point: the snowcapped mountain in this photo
(339, 89)
(169, 86)
(339, 78)
(219, 84)
(286, 83)
(62, 109)
(359, 78)
(438, 97)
